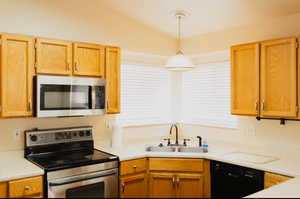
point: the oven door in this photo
(103, 184)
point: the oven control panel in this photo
(55, 136)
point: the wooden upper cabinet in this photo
(17, 71)
(162, 185)
(89, 60)
(278, 88)
(245, 79)
(134, 186)
(112, 75)
(53, 56)
(189, 185)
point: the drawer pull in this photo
(123, 187)
(134, 166)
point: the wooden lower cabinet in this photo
(134, 186)
(272, 179)
(22, 188)
(165, 178)
(3, 189)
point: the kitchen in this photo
(133, 42)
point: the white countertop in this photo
(284, 166)
(13, 165)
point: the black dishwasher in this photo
(228, 180)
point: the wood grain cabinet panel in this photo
(17, 71)
(173, 165)
(53, 56)
(245, 79)
(112, 75)
(189, 185)
(89, 59)
(162, 185)
(278, 88)
(272, 179)
(3, 190)
(26, 188)
(134, 186)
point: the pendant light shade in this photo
(179, 62)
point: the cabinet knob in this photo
(134, 166)
(26, 188)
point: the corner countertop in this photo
(283, 166)
(14, 166)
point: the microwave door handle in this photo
(83, 178)
(93, 97)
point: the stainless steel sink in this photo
(190, 150)
(161, 149)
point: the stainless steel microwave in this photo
(58, 96)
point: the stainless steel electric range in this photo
(73, 168)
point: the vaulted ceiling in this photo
(205, 15)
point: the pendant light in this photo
(179, 62)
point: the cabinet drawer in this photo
(26, 187)
(167, 164)
(272, 179)
(133, 166)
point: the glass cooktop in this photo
(64, 160)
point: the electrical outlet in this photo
(17, 134)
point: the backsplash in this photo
(8, 140)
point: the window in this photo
(145, 95)
(206, 96)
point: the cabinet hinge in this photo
(297, 109)
(0, 42)
(297, 45)
(35, 45)
(0, 108)
(35, 65)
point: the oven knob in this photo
(81, 133)
(33, 138)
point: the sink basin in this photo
(190, 150)
(161, 149)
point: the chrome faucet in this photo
(176, 128)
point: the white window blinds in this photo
(145, 95)
(206, 96)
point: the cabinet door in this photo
(278, 78)
(112, 75)
(89, 60)
(3, 190)
(53, 56)
(189, 186)
(134, 186)
(162, 185)
(17, 71)
(245, 79)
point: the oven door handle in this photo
(83, 178)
